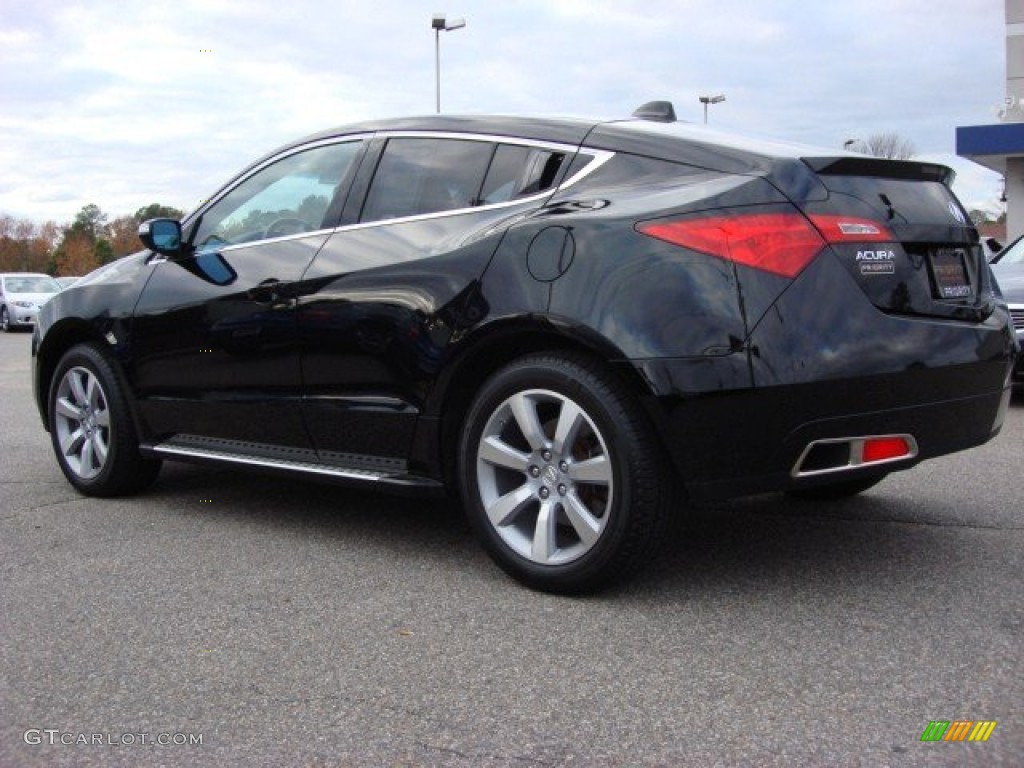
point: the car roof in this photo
(552, 129)
(670, 140)
(676, 141)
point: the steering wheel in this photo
(287, 225)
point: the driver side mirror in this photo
(162, 236)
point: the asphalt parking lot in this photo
(281, 623)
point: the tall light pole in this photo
(705, 100)
(439, 25)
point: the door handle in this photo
(270, 291)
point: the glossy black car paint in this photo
(365, 345)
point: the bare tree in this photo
(24, 246)
(123, 233)
(76, 254)
(889, 145)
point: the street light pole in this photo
(439, 24)
(705, 100)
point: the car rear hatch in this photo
(912, 248)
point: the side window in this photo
(285, 198)
(417, 176)
(519, 171)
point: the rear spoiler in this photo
(880, 168)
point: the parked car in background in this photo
(67, 281)
(575, 325)
(21, 295)
(1008, 266)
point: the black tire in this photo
(593, 471)
(838, 490)
(91, 428)
(5, 321)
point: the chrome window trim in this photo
(600, 157)
(283, 238)
(490, 138)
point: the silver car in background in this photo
(21, 296)
(1008, 267)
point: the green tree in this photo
(978, 216)
(90, 221)
(158, 211)
(312, 210)
(79, 247)
(103, 251)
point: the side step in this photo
(336, 467)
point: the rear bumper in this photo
(25, 318)
(824, 364)
(743, 442)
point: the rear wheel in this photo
(561, 474)
(838, 490)
(91, 429)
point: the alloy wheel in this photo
(545, 477)
(82, 422)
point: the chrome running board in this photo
(333, 466)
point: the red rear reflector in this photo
(883, 448)
(782, 243)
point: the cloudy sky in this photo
(123, 103)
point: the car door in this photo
(401, 278)
(215, 355)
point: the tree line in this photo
(90, 241)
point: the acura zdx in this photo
(575, 326)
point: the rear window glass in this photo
(417, 176)
(519, 171)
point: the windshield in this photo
(31, 284)
(1011, 254)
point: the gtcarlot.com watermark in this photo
(57, 737)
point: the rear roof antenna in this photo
(658, 111)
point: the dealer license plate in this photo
(949, 266)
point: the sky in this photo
(124, 103)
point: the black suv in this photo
(576, 325)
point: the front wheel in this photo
(91, 428)
(5, 320)
(561, 474)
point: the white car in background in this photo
(1008, 267)
(21, 296)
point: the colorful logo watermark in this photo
(958, 730)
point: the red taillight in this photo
(781, 243)
(885, 448)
